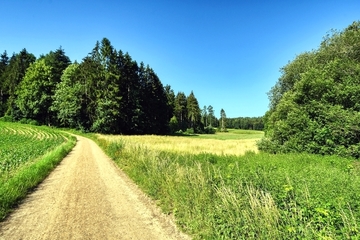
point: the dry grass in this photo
(192, 145)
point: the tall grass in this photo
(190, 144)
(254, 196)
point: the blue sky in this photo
(227, 52)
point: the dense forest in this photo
(108, 92)
(315, 105)
(249, 123)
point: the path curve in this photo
(88, 197)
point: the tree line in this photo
(247, 123)
(315, 105)
(108, 92)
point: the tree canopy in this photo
(315, 105)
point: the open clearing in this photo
(88, 197)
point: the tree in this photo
(173, 124)
(171, 100)
(108, 96)
(180, 110)
(223, 120)
(129, 88)
(154, 104)
(204, 116)
(34, 94)
(210, 111)
(58, 61)
(4, 62)
(254, 123)
(13, 75)
(193, 111)
(316, 106)
(67, 100)
(89, 77)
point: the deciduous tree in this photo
(34, 96)
(315, 107)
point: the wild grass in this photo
(226, 144)
(27, 155)
(234, 134)
(250, 196)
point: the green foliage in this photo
(12, 76)
(180, 110)
(6, 118)
(4, 62)
(173, 124)
(153, 94)
(255, 196)
(66, 100)
(314, 107)
(108, 92)
(211, 116)
(193, 111)
(34, 92)
(222, 120)
(253, 123)
(209, 130)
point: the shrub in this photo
(209, 130)
(189, 131)
(33, 122)
(6, 118)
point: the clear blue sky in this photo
(228, 52)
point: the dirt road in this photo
(87, 197)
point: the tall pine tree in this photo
(13, 75)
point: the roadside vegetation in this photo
(27, 155)
(314, 106)
(242, 195)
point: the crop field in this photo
(234, 142)
(20, 144)
(216, 193)
(27, 155)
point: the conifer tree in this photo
(180, 110)
(193, 111)
(4, 62)
(13, 75)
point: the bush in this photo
(189, 131)
(33, 122)
(23, 121)
(209, 130)
(173, 124)
(6, 118)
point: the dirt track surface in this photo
(88, 197)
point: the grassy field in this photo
(239, 194)
(234, 142)
(234, 134)
(27, 155)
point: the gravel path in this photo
(88, 197)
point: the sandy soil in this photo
(88, 197)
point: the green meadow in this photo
(243, 196)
